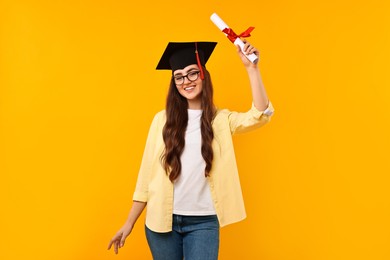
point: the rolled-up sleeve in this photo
(247, 121)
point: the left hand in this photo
(248, 49)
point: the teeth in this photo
(189, 88)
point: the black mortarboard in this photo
(178, 55)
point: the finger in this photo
(246, 47)
(123, 240)
(109, 245)
(247, 44)
(254, 50)
(251, 49)
(116, 247)
(238, 48)
(112, 242)
(247, 50)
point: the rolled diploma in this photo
(222, 25)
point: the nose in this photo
(186, 79)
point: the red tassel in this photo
(198, 60)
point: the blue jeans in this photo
(192, 237)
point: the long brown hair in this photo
(176, 124)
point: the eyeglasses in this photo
(191, 76)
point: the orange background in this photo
(78, 90)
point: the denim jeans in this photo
(192, 237)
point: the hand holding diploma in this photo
(233, 37)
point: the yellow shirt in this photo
(155, 188)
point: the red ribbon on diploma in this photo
(232, 36)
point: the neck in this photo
(194, 104)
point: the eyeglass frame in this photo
(186, 76)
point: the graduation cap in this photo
(178, 55)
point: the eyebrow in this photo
(187, 72)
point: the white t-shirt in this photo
(192, 194)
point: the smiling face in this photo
(189, 85)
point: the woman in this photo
(188, 177)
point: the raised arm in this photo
(259, 95)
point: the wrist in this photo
(130, 223)
(252, 68)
